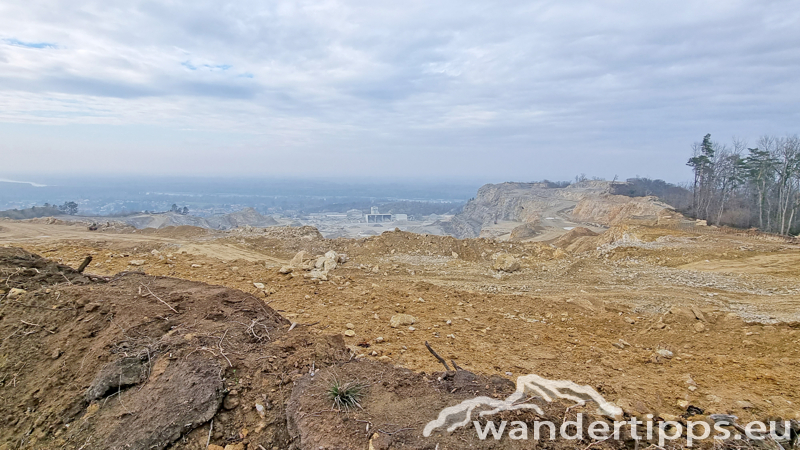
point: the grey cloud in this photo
(538, 81)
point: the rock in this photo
(285, 269)
(630, 321)
(329, 264)
(91, 307)
(259, 285)
(664, 353)
(669, 417)
(300, 259)
(186, 395)
(239, 446)
(136, 262)
(215, 447)
(633, 408)
(697, 313)
(318, 275)
(56, 353)
(380, 442)
(699, 327)
(15, 292)
(412, 329)
(349, 326)
(378, 339)
(231, 401)
(723, 418)
(349, 333)
(116, 375)
(260, 409)
(682, 404)
(402, 319)
(744, 404)
(196, 266)
(505, 263)
(682, 312)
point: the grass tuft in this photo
(345, 395)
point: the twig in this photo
(210, 427)
(11, 275)
(162, 301)
(65, 277)
(37, 325)
(294, 324)
(436, 355)
(455, 365)
(119, 394)
(221, 351)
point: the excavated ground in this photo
(595, 311)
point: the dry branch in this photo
(162, 301)
(436, 355)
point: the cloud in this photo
(511, 89)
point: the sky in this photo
(452, 89)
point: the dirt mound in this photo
(22, 270)
(292, 232)
(608, 209)
(246, 217)
(573, 235)
(396, 405)
(390, 242)
(138, 362)
(525, 231)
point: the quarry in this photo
(573, 299)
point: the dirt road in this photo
(20, 233)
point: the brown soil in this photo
(137, 361)
(725, 304)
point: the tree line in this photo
(743, 186)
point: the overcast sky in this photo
(500, 90)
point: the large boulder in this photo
(402, 320)
(301, 260)
(505, 263)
